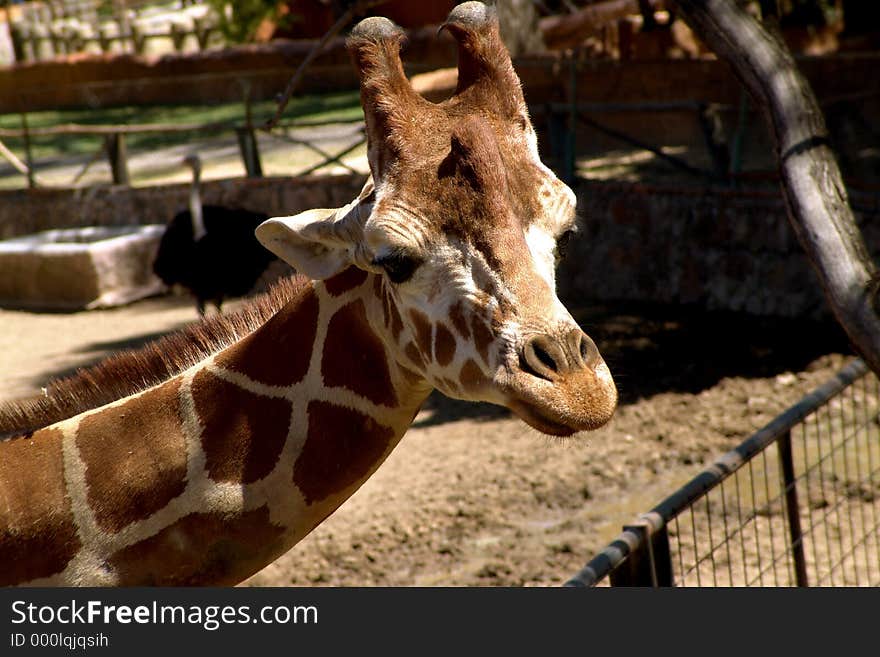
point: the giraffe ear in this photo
(320, 243)
(304, 242)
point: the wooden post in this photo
(28, 155)
(250, 152)
(125, 26)
(247, 138)
(116, 153)
(716, 143)
(202, 29)
(178, 36)
(138, 39)
(14, 36)
(104, 41)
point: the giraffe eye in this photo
(562, 243)
(398, 265)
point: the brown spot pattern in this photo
(199, 549)
(396, 321)
(37, 529)
(423, 332)
(459, 321)
(135, 456)
(278, 353)
(412, 352)
(342, 447)
(472, 378)
(345, 281)
(354, 357)
(386, 313)
(243, 432)
(449, 384)
(377, 287)
(444, 345)
(482, 337)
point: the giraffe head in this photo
(461, 223)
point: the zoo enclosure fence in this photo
(796, 504)
(113, 137)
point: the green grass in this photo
(335, 106)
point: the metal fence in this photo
(796, 504)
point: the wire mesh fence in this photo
(797, 504)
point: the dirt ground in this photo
(474, 497)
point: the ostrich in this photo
(210, 249)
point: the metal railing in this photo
(805, 513)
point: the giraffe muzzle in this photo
(562, 385)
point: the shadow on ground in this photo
(100, 351)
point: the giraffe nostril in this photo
(582, 349)
(542, 357)
(589, 351)
(545, 358)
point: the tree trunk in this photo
(814, 192)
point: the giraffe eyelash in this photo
(399, 265)
(563, 240)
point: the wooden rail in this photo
(100, 130)
(116, 151)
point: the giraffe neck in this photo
(211, 475)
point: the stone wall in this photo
(711, 248)
(30, 210)
(716, 249)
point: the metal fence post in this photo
(796, 537)
(650, 564)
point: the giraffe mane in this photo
(132, 371)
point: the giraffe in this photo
(246, 431)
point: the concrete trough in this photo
(79, 268)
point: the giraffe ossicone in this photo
(248, 430)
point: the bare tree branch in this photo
(813, 187)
